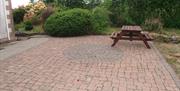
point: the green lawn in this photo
(36, 29)
(110, 30)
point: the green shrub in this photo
(46, 13)
(137, 11)
(36, 20)
(72, 3)
(153, 25)
(72, 22)
(28, 25)
(100, 20)
(172, 21)
(120, 13)
(18, 15)
(48, 1)
(19, 26)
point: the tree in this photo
(72, 3)
(92, 3)
(32, 1)
(138, 11)
(49, 1)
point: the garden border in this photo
(167, 66)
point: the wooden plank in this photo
(132, 28)
(125, 38)
(114, 35)
(147, 36)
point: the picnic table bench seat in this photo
(147, 36)
(114, 35)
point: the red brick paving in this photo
(45, 68)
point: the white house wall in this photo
(3, 20)
(8, 14)
(9, 22)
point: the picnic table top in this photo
(131, 28)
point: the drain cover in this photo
(93, 53)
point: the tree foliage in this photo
(18, 15)
(92, 3)
(32, 1)
(100, 20)
(72, 3)
(49, 1)
(133, 11)
(137, 11)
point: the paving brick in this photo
(47, 67)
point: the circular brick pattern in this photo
(93, 53)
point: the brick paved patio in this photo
(48, 67)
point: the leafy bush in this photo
(153, 25)
(36, 20)
(72, 3)
(18, 15)
(48, 1)
(90, 4)
(28, 25)
(100, 20)
(72, 22)
(120, 13)
(46, 13)
(172, 21)
(19, 26)
(34, 9)
(137, 11)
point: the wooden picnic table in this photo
(131, 33)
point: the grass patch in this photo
(36, 29)
(110, 30)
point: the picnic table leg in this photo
(131, 36)
(145, 42)
(117, 39)
(114, 43)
